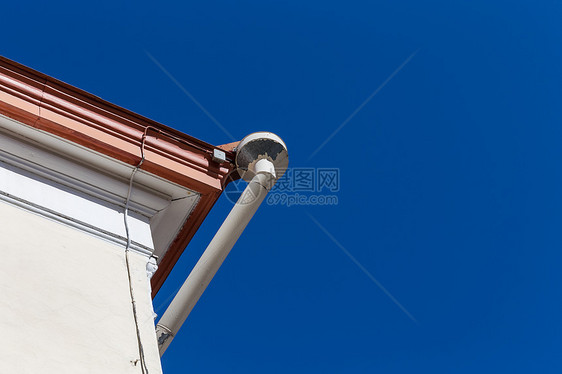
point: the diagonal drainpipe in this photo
(261, 159)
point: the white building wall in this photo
(65, 302)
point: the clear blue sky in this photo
(450, 180)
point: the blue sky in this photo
(449, 175)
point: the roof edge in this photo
(58, 108)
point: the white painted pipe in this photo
(261, 158)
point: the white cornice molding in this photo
(79, 187)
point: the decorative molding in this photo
(86, 190)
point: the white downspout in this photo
(261, 159)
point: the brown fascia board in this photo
(50, 105)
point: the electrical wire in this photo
(127, 250)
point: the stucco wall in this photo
(65, 304)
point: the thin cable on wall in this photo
(127, 250)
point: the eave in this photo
(55, 107)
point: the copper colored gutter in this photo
(50, 105)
